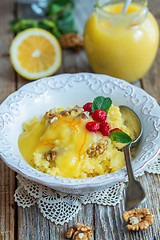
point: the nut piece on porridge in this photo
(49, 113)
(138, 219)
(79, 109)
(83, 115)
(50, 156)
(50, 116)
(65, 113)
(69, 111)
(79, 232)
(96, 149)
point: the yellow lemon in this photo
(35, 53)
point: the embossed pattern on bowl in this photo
(37, 97)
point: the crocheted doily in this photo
(60, 207)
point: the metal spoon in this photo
(134, 191)
(126, 5)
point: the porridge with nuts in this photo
(78, 142)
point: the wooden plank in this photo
(106, 221)
(7, 205)
(109, 222)
(7, 86)
(151, 84)
(151, 81)
(7, 83)
(33, 226)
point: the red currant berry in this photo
(104, 128)
(99, 115)
(88, 107)
(92, 126)
(115, 129)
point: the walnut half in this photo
(96, 149)
(138, 219)
(79, 232)
(50, 156)
(72, 40)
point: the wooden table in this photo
(106, 222)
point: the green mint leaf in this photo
(57, 7)
(120, 136)
(22, 24)
(48, 23)
(58, 19)
(66, 23)
(101, 103)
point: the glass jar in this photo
(32, 8)
(121, 45)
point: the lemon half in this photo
(35, 53)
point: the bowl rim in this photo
(68, 182)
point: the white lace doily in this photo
(60, 207)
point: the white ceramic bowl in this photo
(37, 97)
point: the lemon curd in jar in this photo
(121, 45)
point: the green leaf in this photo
(48, 23)
(66, 23)
(21, 24)
(101, 103)
(58, 7)
(58, 19)
(55, 31)
(120, 136)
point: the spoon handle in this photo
(126, 5)
(128, 161)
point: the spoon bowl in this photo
(132, 121)
(134, 191)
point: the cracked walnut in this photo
(79, 232)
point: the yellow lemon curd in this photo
(68, 136)
(123, 49)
